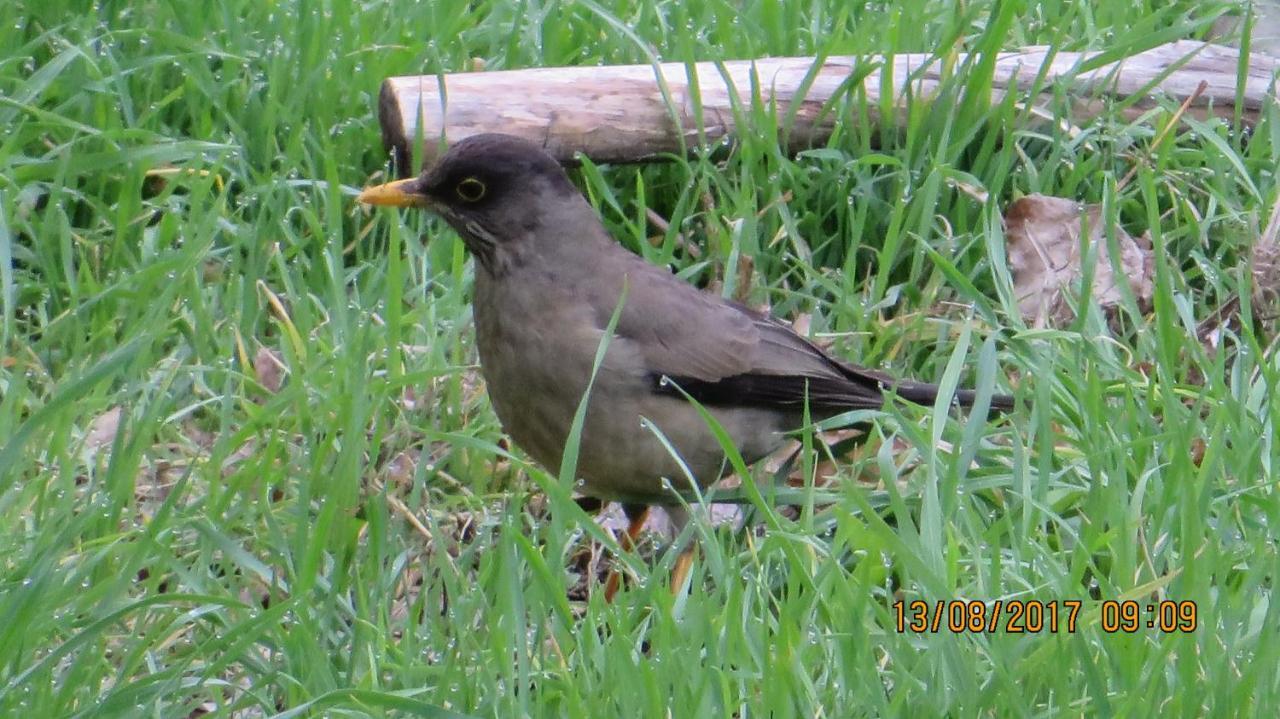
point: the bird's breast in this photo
(537, 354)
(534, 359)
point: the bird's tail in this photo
(927, 394)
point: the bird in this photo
(552, 287)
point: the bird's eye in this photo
(471, 189)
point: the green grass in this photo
(235, 547)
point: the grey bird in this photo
(548, 280)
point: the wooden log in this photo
(623, 114)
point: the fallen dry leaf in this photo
(399, 470)
(268, 367)
(1043, 238)
(102, 430)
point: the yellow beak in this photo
(401, 193)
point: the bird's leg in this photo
(681, 570)
(679, 519)
(636, 515)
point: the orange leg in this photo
(681, 570)
(679, 520)
(637, 514)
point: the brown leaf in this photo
(103, 430)
(269, 369)
(399, 470)
(1198, 448)
(1043, 238)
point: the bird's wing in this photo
(786, 372)
(722, 353)
(677, 329)
(725, 354)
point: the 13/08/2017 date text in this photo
(1032, 616)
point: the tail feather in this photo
(927, 394)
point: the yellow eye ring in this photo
(471, 189)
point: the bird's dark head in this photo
(493, 189)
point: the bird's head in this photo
(495, 190)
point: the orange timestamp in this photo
(1032, 616)
(1130, 616)
(1012, 616)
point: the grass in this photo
(219, 377)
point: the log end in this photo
(394, 140)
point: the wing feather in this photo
(725, 354)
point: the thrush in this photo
(549, 283)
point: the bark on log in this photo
(620, 113)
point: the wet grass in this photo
(223, 386)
